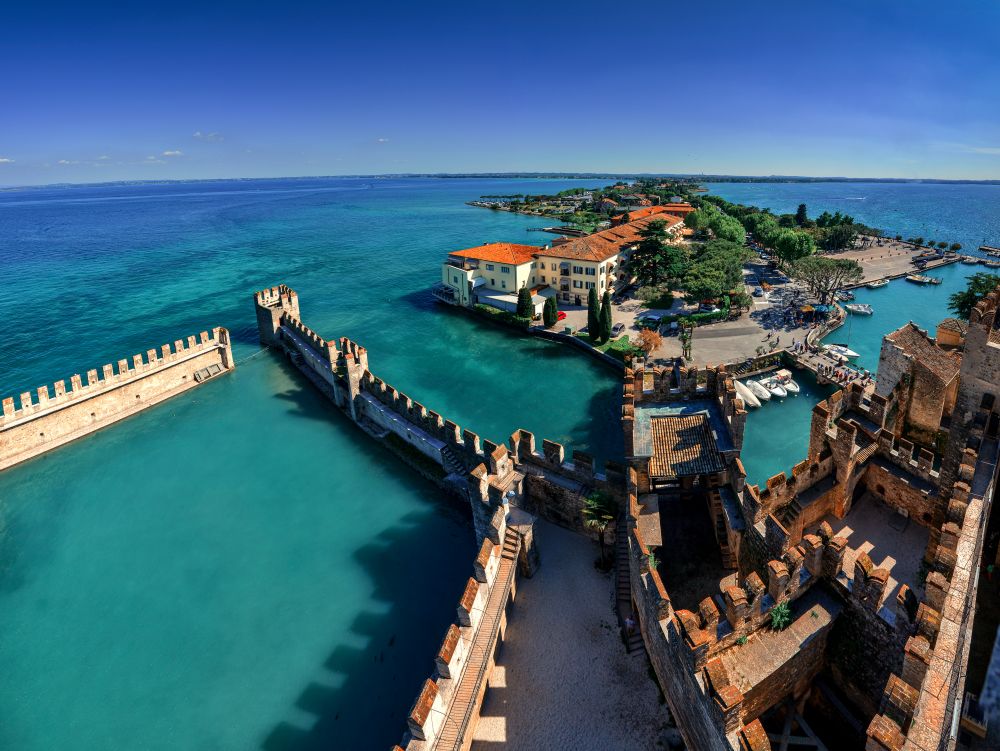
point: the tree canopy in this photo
(824, 276)
(593, 315)
(654, 261)
(791, 245)
(979, 285)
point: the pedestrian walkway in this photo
(563, 679)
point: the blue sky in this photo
(95, 92)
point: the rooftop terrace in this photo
(708, 425)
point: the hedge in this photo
(504, 317)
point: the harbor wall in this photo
(56, 415)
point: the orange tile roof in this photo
(650, 210)
(602, 245)
(499, 253)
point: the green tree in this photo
(599, 511)
(550, 312)
(801, 216)
(593, 315)
(979, 285)
(792, 245)
(824, 276)
(605, 317)
(525, 308)
(650, 261)
(899, 238)
(838, 236)
(956, 246)
(942, 244)
(704, 282)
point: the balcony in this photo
(444, 293)
(465, 264)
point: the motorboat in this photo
(992, 264)
(841, 350)
(922, 279)
(861, 309)
(970, 260)
(784, 376)
(877, 284)
(744, 393)
(772, 385)
(759, 391)
(845, 295)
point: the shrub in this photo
(647, 340)
(525, 308)
(781, 616)
(504, 317)
(550, 312)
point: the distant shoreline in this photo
(698, 179)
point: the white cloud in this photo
(381, 140)
(68, 161)
(175, 152)
(153, 160)
(103, 157)
(210, 137)
(5, 160)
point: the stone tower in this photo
(270, 304)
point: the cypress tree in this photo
(550, 313)
(593, 315)
(606, 317)
(525, 309)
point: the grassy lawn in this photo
(615, 347)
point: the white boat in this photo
(744, 393)
(844, 294)
(877, 284)
(971, 260)
(785, 378)
(759, 391)
(772, 385)
(839, 350)
(861, 309)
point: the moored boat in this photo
(772, 385)
(922, 279)
(844, 295)
(746, 394)
(861, 309)
(992, 264)
(877, 284)
(970, 260)
(841, 350)
(785, 378)
(759, 391)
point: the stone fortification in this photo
(919, 455)
(55, 415)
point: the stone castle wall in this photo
(56, 416)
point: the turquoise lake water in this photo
(241, 567)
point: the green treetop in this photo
(593, 315)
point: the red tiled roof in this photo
(668, 215)
(602, 245)
(499, 253)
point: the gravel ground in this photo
(563, 679)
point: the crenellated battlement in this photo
(53, 415)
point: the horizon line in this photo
(581, 175)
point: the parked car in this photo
(561, 315)
(758, 292)
(617, 329)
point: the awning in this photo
(807, 308)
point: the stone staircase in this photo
(453, 465)
(623, 587)
(511, 545)
(790, 513)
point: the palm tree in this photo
(598, 512)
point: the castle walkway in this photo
(563, 679)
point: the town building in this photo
(662, 212)
(492, 274)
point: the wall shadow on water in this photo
(359, 697)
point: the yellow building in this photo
(492, 274)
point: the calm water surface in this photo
(240, 567)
